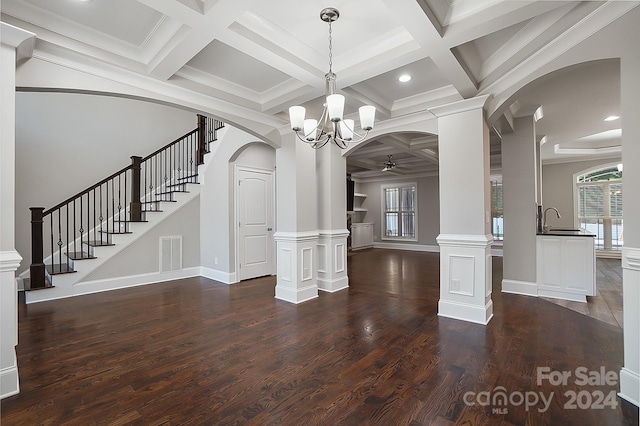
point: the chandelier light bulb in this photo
(296, 116)
(346, 129)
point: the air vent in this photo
(170, 253)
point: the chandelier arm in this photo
(359, 138)
(323, 137)
(318, 145)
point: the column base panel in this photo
(465, 312)
(9, 382)
(331, 286)
(298, 295)
(629, 386)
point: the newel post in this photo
(202, 133)
(135, 207)
(37, 268)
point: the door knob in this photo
(269, 229)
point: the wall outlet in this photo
(215, 260)
(375, 238)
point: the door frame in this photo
(236, 217)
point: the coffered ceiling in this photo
(264, 56)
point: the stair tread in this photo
(57, 269)
(169, 192)
(183, 183)
(79, 255)
(98, 243)
(188, 177)
(116, 232)
(159, 201)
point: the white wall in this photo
(143, 256)
(67, 142)
(557, 189)
(428, 208)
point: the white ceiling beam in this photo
(494, 19)
(434, 45)
(214, 23)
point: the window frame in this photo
(605, 184)
(383, 222)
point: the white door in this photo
(255, 223)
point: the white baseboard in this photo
(98, 286)
(525, 288)
(562, 295)
(405, 246)
(220, 276)
(423, 247)
(630, 386)
(9, 382)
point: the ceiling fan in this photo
(389, 164)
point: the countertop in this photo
(566, 232)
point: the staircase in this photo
(73, 238)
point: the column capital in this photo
(22, 40)
(295, 236)
(460, 106)
(458, 240)
(9, 260)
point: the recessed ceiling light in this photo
(404, 78)
(612, 118)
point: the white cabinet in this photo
(361, 235)
(566, 267)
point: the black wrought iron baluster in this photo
(60, 243)
(126, 190)
(179, 162)
(113, 206)
(81, 230)
(74, 226)
(119, 204)
(95, 224)
(101, 217)
(52, 244)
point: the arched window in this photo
(600, 206)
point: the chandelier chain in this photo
(330, 49)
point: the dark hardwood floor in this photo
(195, 351)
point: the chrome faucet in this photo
(545, 227)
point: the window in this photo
(600, 206)
(399, 211)
(497, 226)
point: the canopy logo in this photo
(500, 400)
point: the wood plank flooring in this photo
(197, 352)
(606, 305)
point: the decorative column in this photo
(331, 169)
(519, 193)
(630, 103)
(297, 233)
(465, 211)
(17, 45)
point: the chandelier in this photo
(331, 126)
